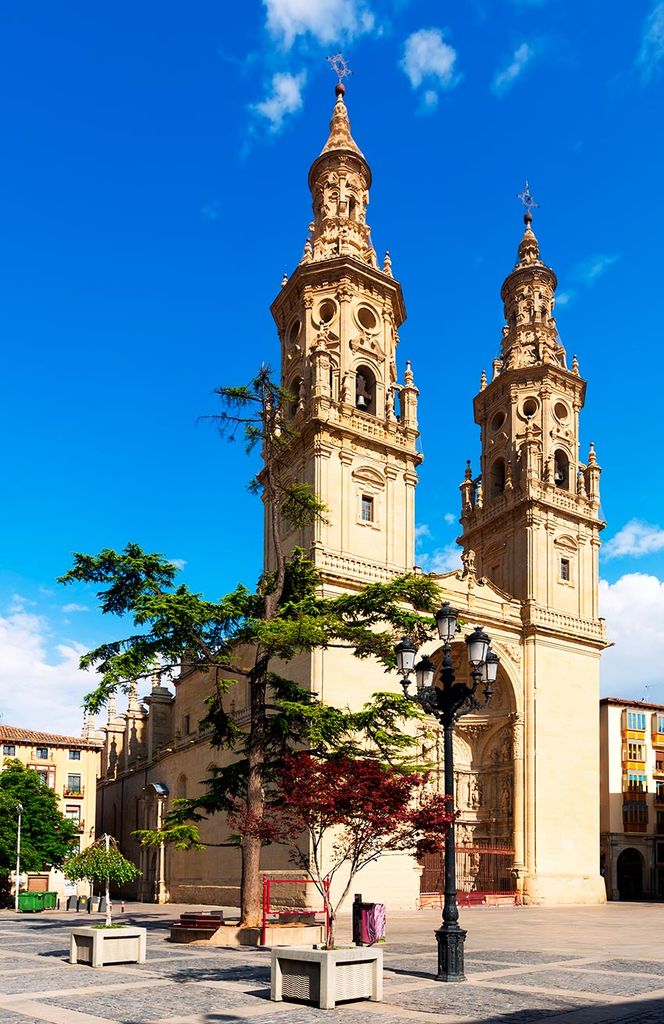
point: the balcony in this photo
(73, 792)
(636, 826)
(634, 795)
(657, 739)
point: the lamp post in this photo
(448, 703)
(19, 808)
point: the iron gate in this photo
(484, 875)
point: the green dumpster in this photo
(50, 900)
(30, 901)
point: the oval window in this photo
(296, 327)
(326, 311)
(529, 407)
(498, 420)
(561, 411)
(367, 318)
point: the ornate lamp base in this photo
(450, 939)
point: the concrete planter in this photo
(99, 946)
(327, 976)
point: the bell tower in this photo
(532, 516)
(355, 427)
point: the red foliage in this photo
(347, 791)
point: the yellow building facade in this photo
(632, 798)
(68, 765)
(527, 768)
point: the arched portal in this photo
(484, 794)
(630, 874)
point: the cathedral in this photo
(527, 766)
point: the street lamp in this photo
(448, 703)
(19, 808)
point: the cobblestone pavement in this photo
(200, 985)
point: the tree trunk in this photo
(250, 887)
(331, 930)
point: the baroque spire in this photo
(530, 336)
(340, 179)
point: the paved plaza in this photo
(567, 965)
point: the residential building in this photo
(70, 766)
(632, 798)
(527, 772)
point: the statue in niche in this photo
(505, 799)
(362, 395)
(344, 394)
(475, 794)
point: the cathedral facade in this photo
(527, 767)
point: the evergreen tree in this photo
(245, 632)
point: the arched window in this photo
(497, 478)
(365, 390)
(561, 469)
(181, 790)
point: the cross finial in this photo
(339, 65)
(528, 202)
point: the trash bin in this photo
(71, 903)
(50, 900)
(368, 922)
(30, 902)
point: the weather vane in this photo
(527, 201)
(340, 67)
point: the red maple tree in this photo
(352, 810)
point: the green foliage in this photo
(47, 837)
(97, 864)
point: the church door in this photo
(630, 875)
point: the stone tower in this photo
(532, 517)
(338, 316)
(531, 523)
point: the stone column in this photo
(519, 792)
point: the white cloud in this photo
(73, 607)
(422, 531)
(505, 79)
(40, 691)
(449, 517)
(179, 563)
(284, 98)
(328, 21)
(595, 267)
(651, 54)
(586, 274)
(634, 610)
(428, 60)
(444, 559)
(635, 538)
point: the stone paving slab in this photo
(495, 1004)
(45, 981)
(142, 1006)
(596, 982)
(522, 956)
(633, 966)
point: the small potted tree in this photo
(105, 943)
(360, 809)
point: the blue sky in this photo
(153, 190)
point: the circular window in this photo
(529, 407)
(367, 318)
(498, 420)
(561, 411)
(296, 327)
(326, 311)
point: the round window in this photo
(367, 318)
(498, 420)
(326, 311)
(529, 407)
(561, 411)
(296, 327)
